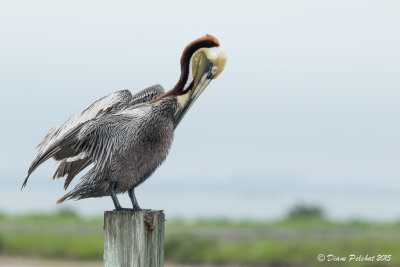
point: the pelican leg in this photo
(111, 190)
(132, 196)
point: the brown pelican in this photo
(126, 137)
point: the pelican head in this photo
(202, 60)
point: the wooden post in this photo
(134, 238)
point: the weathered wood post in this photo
(134, 238)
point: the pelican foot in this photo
(123, 209)
(127, 209)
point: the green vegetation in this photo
(295, 241)
(305, 211)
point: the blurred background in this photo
(304, 117)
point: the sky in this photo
(306, 111)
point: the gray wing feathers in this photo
(71, 169)
(90, 131)
(51, 151)
(147, 94)
(100, 139)
(108, 103)
(83, 188)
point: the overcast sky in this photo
(306, 110)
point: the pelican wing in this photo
(100, 140)
(107, 104)
(73, 161)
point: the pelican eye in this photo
(214, 70)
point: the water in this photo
(258, 198)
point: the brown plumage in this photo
(123, 137)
